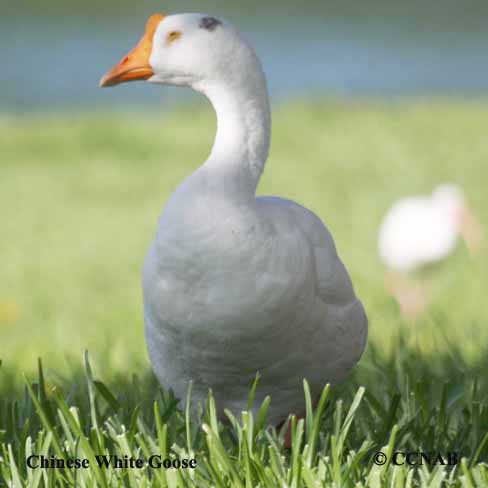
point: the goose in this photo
(236, 285)
(419, 231)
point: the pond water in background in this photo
(58, 64)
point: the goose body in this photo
(236, 284)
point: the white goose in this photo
(233, 283)
(418, 231)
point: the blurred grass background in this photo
(80, 196)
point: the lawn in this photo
(79, 201)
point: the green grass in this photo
(79, 201)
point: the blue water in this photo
(54, 66)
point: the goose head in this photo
(208, 54)
(185, 50)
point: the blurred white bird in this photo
(235, 284)
(421, 230)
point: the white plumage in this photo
(421, 230)
(236, 284)
(418, 231)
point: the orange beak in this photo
(135, 65)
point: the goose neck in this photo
(242, 140)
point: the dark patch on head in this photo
(209, 23)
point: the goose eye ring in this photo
(172, 36)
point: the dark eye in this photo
(173, 35)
